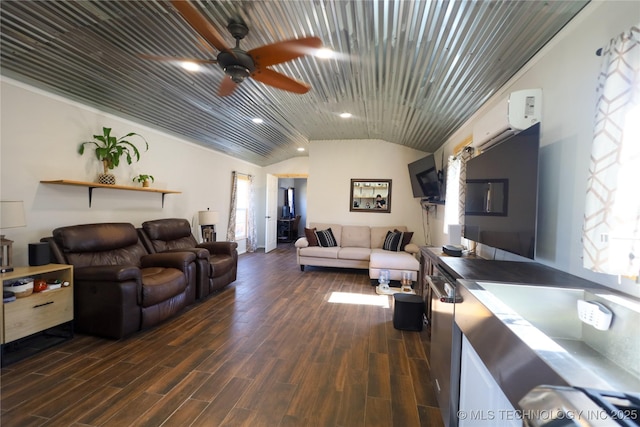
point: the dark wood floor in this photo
(270, 350)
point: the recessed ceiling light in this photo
(190, 66)
(300, 149)
(345, 115)
(257, 120)
(325, 52)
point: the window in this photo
(452, 206)
(242, 207)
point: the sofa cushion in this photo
(310, 234)
(326, 238)
(167, 229)
(360, 254)
(356, 236)
(320, 252)
(393, 260)
(393, 241)
(160, 284)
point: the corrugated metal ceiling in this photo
(410, 72)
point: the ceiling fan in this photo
(239, 64)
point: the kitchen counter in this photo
(512, 272)
(534, 337)
(509, 357)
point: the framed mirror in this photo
(370, 195)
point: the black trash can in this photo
(408, 311)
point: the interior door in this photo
(271, 219)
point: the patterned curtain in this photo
(252, 236)
(464, 157)
(231, 227)
(451, 213)
(456, 187)
(611, 233)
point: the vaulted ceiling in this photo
(409, 72)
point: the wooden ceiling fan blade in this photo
(284, 51)
(176, 58)
(199, 23)
(280, 81)
(227, 86)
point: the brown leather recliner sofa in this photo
(217, 267)
(119, 288)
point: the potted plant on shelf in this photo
(144, 179)
(110, 148)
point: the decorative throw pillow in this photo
(326, 238)
(406, 239)
(310, 234)
(393, 241)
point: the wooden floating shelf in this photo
(92, 185)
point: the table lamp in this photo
(11, 216)
(208, 220)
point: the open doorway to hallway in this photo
(292, 203)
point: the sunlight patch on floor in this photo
(359, 299)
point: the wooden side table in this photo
(30, 316)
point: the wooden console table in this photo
(92, 185)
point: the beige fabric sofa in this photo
(359, 247)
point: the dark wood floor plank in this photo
(403, 402)
(72, 412)
(223, 404)
(269, 350)
(379, 376)
(170, 402)
(378, 413)
(131, 412)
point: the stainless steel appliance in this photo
(446, 345)
(546, 406)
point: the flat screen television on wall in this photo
(501, 199)
(425, 183)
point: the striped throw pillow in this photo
(393, 241)
(326, 238)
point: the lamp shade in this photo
(207, 217)
(12, 214)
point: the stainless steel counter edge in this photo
(515, 367)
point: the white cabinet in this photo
(482, 402)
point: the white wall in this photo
(567, 71)
(40, 135)
(332, 165)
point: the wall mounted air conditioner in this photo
(515, 113)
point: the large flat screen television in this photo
(424, 179)
(501, 199)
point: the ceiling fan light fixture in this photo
(190, 66)
(237, 72)
(325, 53)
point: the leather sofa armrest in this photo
(226, 248)
(200, 253)
(107, 273)
(302, 243)
(180, 260)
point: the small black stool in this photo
(408, 311)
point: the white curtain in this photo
(252, 235)
(231, 227)
(611, 234)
